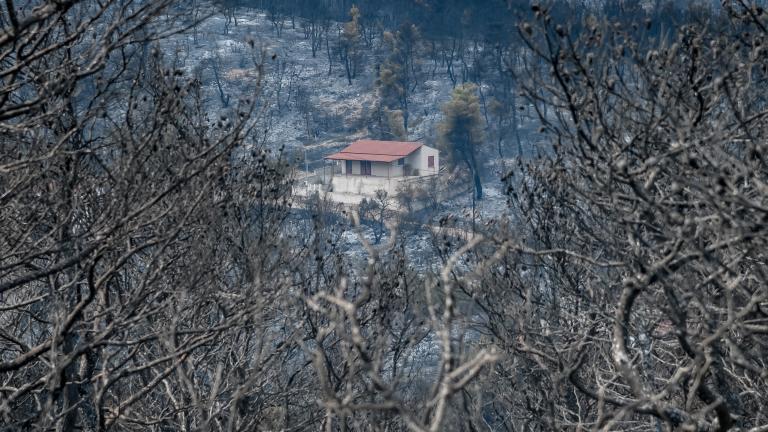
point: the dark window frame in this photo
(366, 167)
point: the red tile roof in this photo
(376, 151)
(362, 157)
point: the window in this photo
(365, 167)
(401, 161)
(348, 167)
(430, 161)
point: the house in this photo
(365, 167)
(389, 159)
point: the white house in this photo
(387, 159)
(366, 166)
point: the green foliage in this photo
(349, 44)
(395, 124)
(461, 131)
(351, 31)
(398, 74)
(389, 84)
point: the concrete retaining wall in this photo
(364, 185)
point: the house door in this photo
(365, 167)
(348, 167)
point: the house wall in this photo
(381, 169)
(419, 160)
(364, 185)
(412, 161)
(396, 170)
(378, 169)
(351, 190)
(424, 153)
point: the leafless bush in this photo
(633, 294)
(122, 307)
(152, 271)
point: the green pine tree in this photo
(461, 132)
(350, 44)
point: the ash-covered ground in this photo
(310, 109)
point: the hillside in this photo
(586, 252)
(312, 110)
(312, 107)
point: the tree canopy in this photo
(461, 132)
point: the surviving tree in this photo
(349, 44)
(461, 132)
(399, 75)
